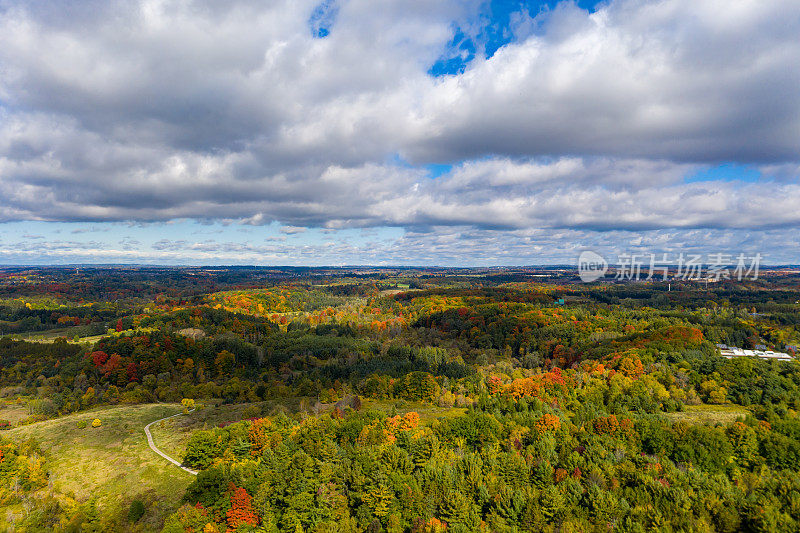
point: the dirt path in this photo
(159, 452)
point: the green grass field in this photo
(69, 333)
(50, 335)
(111, 462)
(709, 414)
(427, 413)
(13, 412)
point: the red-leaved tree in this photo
(241, 511)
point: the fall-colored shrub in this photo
(188, 404)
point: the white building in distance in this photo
(729, 352)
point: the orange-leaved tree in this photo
(241, 511)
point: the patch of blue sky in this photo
(492, 28)
(436, 169)
(726, 172)
(433, 170)
(322, 18)
(459, 53)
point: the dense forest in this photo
(416, 400)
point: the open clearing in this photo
(112, 462)
(709, 414)
(13, 411)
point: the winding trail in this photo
(159, 452)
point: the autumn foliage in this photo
(548, 422)
(538, 385)
(241, 511)
(611, 424)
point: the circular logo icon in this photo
(591, 266)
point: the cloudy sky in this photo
(397, 131)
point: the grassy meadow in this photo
(709, 414)
(112, 462)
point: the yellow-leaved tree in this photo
(188, 404)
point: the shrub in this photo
(42, 406)
(136, 510)
(188, 404)
(31, 420)
(81, 424)
(5, 424)
(96, 423)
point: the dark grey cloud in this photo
(686, 80)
